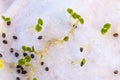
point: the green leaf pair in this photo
(23, 61)
(83, 61)
(105, 28)
(6, 19)
(75, 15)
(29, 49)
(39, 25)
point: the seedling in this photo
(81, 62)
(39, 25)
(29, 49)
(105, 28)
(6, 19)
(75, 16)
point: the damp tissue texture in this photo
(62, 60)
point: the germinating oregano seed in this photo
(66, 38)
(83, 62)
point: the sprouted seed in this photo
(105, 28)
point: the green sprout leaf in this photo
(28, 49)
(81, 20)
(38, 28)
(6, 19)
(74, 15)
(27, 64)
(40, 21)
(27, 58)
(21, 62)
(34, 78)
(69, 10)
(33, 49)
(3, 17)
(105, 28)
(24, 48)
(83, 62)
(66, 38)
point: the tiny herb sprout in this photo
(21, 62)
(75, 16)
(35, 79)
(83, 62)
(39, 25)
(66, 38)
(105, 28)
(29, 49)
(24, 61)
(6, 19)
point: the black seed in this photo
(22, 68)
(74, 26)
(15, 37)
(24, 72)
(5, 42)
(42, 63)
(16, 54)
(39, 37)
(18, 66)
(46, 69)
(3, 35)
(1, 55)
(11, 50)
(115, 34)
(81, 64)
(32, 55)
(18, 71)
(17, 78)
(25, 54)
(9, 23)
(81, 49)
(115, 72)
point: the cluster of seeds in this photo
(4, 36)
(7, 20)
